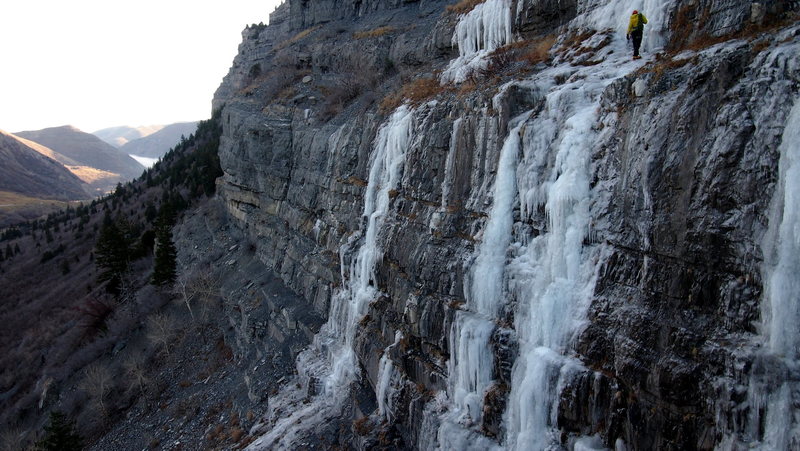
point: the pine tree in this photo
(113, 249)
(164, 271)
(60, 435)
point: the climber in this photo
(635, 30)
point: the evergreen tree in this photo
(164, 271)
(60, 435)
(113, 249)
(150, 212)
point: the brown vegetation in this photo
(463, 6)
(236, 434)
(538, 51)
(574, 41)
(363, 426)
(297, 37)
(415, 92)
(374, 33)
(353, 77)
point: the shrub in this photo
(13, 440)
(135, 367)
(362, 426)
(200, 288)
(539, 51)
(416, 92)
(161, 328)
(97, 383)
(95, 314)
(236, 434)
(353, 76)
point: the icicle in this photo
(450, 162)
(552, 275)
(387, 381)
(471, 364)
(478, 33)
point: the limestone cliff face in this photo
(681, 164)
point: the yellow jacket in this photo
(634, 23)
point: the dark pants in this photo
(636, 35)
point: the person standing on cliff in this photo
(635, 31)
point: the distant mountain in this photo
(98, 160)
(157, 144)
(28, 172)
(119, 136)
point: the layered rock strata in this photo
(681, 167)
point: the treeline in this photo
(107, 252)
(185, 173)
(191, 166)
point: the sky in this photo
(95, 64)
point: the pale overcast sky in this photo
(103, 63)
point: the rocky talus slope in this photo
(518, 236)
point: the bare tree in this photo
(14, 439)
(160, 330)
(97, 383)
(198, 288)
(135, 366)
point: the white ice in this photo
(781, 298)
(470, 366)
(387, 383)
(551, 275)
(477, 34)
(331, 358)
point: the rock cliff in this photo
(518, 236)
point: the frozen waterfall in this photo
(470, 366)
(329, 365)
(545, 276)
(777, 398)
(477, 34)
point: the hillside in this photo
(64, 319)
(27, 172)
(84, 149)
(156, 144)
(32, 184)
(119, 136)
